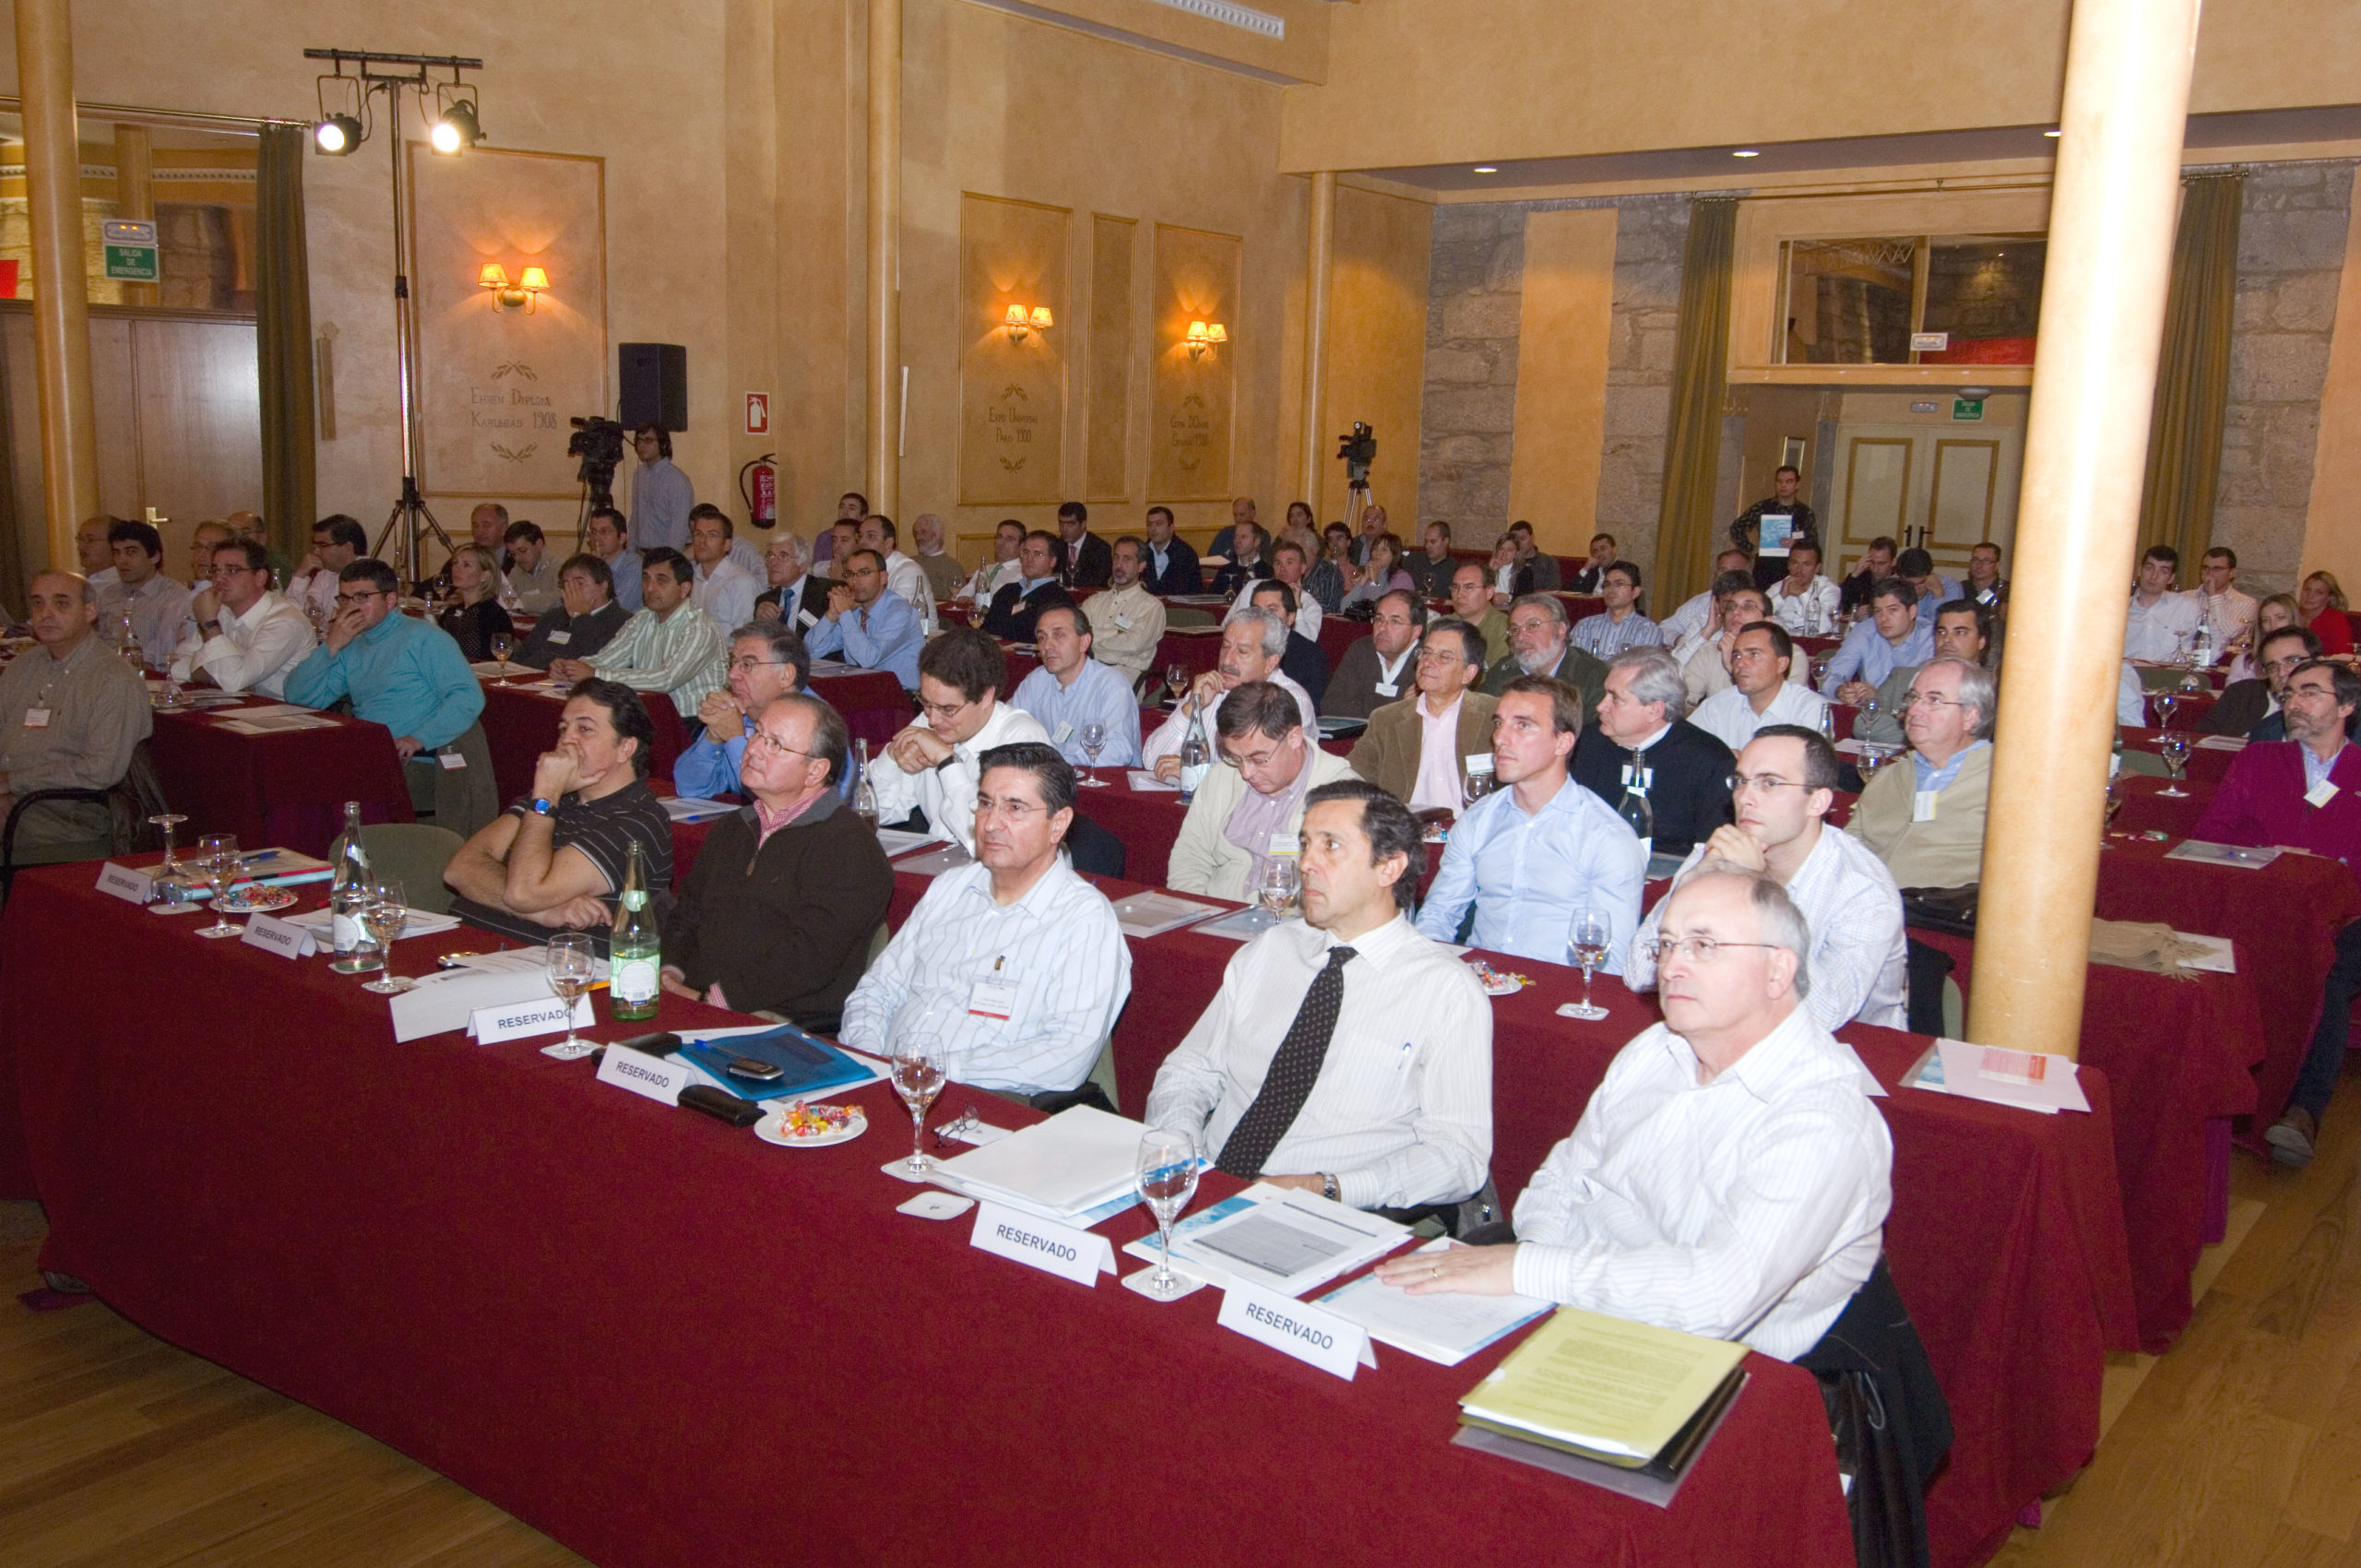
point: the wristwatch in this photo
(1328, 1188)
(543, 808)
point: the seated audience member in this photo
(1696, 616)
(555, 861)
(2227, 611)
(795, 596)
(1381, 574)
(608, 536)
(1171, 560)
(1126, 620)
(1344, 1053)
(943, 572)
(961, 716)
(478, 617)
(1784, 782)
(1917, 568)
(585, 621)
(1857, 591)
(1020, 922)
(1544, 567)
(2318, 600)
(243, 638)
(1619, 625)
(338, 541)
(1072, 691)
(839, 537)
(1254, 799)
(1288, 565)
(156, 606)
(1379, 668)
(778, 911)
(1245, 563)
(1540, 643)
(765, 662)
(1471, 600)
(1511, 577)
(95, 555)
(1752, 1215)
(1325, 582)
(1593, 568)
(1986, 586)
(1253, 642)
(1225, 540)
(669, 646)
(870, 627)
(1417, 750)
(1891, 636)
(903, 576)
(724, 587)
(1760, 692)
(2274, 613)
(2305, 793)
(1526, 857)
(1926, 821)
(71, 716)
(201, 541)
(532, 571)
(1084, 560)
(1431, 569)
(1305, 661)
(1962, 630)
(2251, 707)
(1704, 660)
(408, 675)
(1803, 600)
(1642, 745)
(2162, 620)
(1009, 617)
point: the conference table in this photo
(286, 787)
(664, 1342)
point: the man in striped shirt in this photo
(669, 646)
(1621, 625)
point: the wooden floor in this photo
(2241, 1448)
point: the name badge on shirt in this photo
(36, 718)
(561, 639)
(451, 759)
(1389, 688)
(1064, 733)
(1922, 805)
(2320, 794)
(994, 999)
(1123, 623)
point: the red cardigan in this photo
(2261, 802)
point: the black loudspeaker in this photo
(655, 379)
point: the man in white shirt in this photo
(1859, 960)
(245, 638)
(1248, 809)
(1706, 666)
(1730, 1177)
(1344, 1053)
(338, 541)
(2161, 619)
(1760, 692)
(1126, 620)
(1072, 691)
(1015, 963)
(95, 553)
(1804, 601)
(2220, 604)
(934, 762)
(1696, 614)
(157, 605)
(1004, 567)
(1252, 643)
(724, 589)
(1288, 566)
(903, 575)
(608, 537)
(532, 570)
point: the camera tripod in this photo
(408, 513)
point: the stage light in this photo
(337, 135)
(456, 131)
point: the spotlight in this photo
(456, 131)
(337, 135)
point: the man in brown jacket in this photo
(1923, 814)
(1418, 750)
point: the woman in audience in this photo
(2320, 604)
(1383, 574)
(2279, 610)
(478, 617)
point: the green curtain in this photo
(1685, 522)
(2193, 371)
(283, 340)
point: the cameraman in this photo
(661, 494)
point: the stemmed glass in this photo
(917, 1078)
(1176, 679)
(1094, 741)
(171, 880)
(382, 914)
(2114, 804)
(216, 857)
(1588, 940)
(2175, 747)
(570, 961)
(1167, 1176)
(502, 645)
(1276, 891)
(2169, 711)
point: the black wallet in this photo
(721, 1105)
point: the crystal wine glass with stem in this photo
(2174, 749)
(570, 961)
(917, 1078)
(2169, 711)
(2114, 804)
(1588, 940)
(167, 821)
(382, 917)
(1094, 741)
(216, 857)
(1276, 891)
(1175, 680)
(1167, 1177)
(502, 645)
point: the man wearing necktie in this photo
(1344, 1053)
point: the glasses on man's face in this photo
(1750, 655)
(362, 596)
(750, 662)
(1696, 949)
(1441, 656)
(1768, 783)
(772, 743)
(943, 710)
(226, 570)
(1932, 701)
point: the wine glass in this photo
(217, 859)
(1276, 891)
(1588, 939)
(570, 961)
(1871, 759)
(382, 914)
(1479, 783)
(917, 1078)
(502, 645)
(2114, 804)
(2175, 747)
(1167, 1176)
(172, 884)
(1094, 741)
(1176, 679)
(2169, 711)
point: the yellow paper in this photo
(1616, 1388)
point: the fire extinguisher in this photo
(758, 482)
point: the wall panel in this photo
(1111, 350)
(1012, 388)
(1193, 400)
(1565, 319)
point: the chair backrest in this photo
(1190, 615)
(137, 796)
(414, 854)
(1096, 850)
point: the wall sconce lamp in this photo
(1019, 321)
(1204, 336)
(506, 295)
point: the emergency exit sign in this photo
(1967, 408)
(130, 249)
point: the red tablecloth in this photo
(287, 789)
(874, 705)
(2205, 763)
(2147, 809)
(521, 724)
(664, 1342)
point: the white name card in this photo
(283, 937)
(133, 887)
(661, 1079)
(1079, 1255)
(521, 1021)
(1312, 1334)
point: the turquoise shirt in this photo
(403, 673)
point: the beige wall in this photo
(1377, 350)
(1565, 318)
(2333, 526)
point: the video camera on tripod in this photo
(1359, 450)
(599, 441)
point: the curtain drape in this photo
(283, 340)
(1685, 522)
(2193, 371)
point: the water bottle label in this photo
(634, 979)
(1192, 775)
(345, 931)
(635, 901)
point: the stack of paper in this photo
(1281, 1239)
(1065, 1168)
(901, 840)
(934, 863)
(2028, 1080)
(1446, 1328)
(2221, 854)
(415, 922)
(276, 724)
(1620, 1393)
(1153, 914)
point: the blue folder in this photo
(811, 1065)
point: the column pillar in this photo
(2112, 212)
(1320, 255)
(69, 444)
(885, 253)
(135, 192)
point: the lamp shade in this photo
(1197, 332)
(1015, 315)
(1041, 317)
(534, 279)
(1216, 333)
(493, 276)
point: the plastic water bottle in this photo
(1196, 758)
(349, 891)
(634, 946)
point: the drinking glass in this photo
(502, 645)
(1167, 1176)
(1276, 891)
(216, 860)
(167, 821)
(917, 1078)
(571, 961)
(2169, 711)
(2175, 747)
(1588, 940)
(2114, 804)
(382, 914)
(1477, 786)
(1176, 679)
(1094, 741)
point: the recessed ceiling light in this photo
(1746, 152)
(2053, 135)
(1486, 169)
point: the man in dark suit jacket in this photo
(1247, 560)
(1544, 567)
(1383, 665)
(1305, 662)
(1084, 560)
(1639, 726)
(1539, 638)
(1019, 604)
(2250, 708)
(1170, 563)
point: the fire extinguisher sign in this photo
(758, 413)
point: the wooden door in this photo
(1942, 486)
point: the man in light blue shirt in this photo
(1072, 691)
(607, 536)
(1620, 627)
(1935, 590)
(661, 495)
(872, 629)
(767, 661)
(1891, 636)
(1540, 848)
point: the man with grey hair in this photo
(1540, 644)
(71, 716)
(1253, 641)
(1642, 749)
(795, 596)
(944, 572)
(1926, 821)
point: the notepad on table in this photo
(2251, 858)
(1075, 1162)
(1153, 914)
(1445, 1327)
(1621, 1393)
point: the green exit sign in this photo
(128, 245)
(1969, 408)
